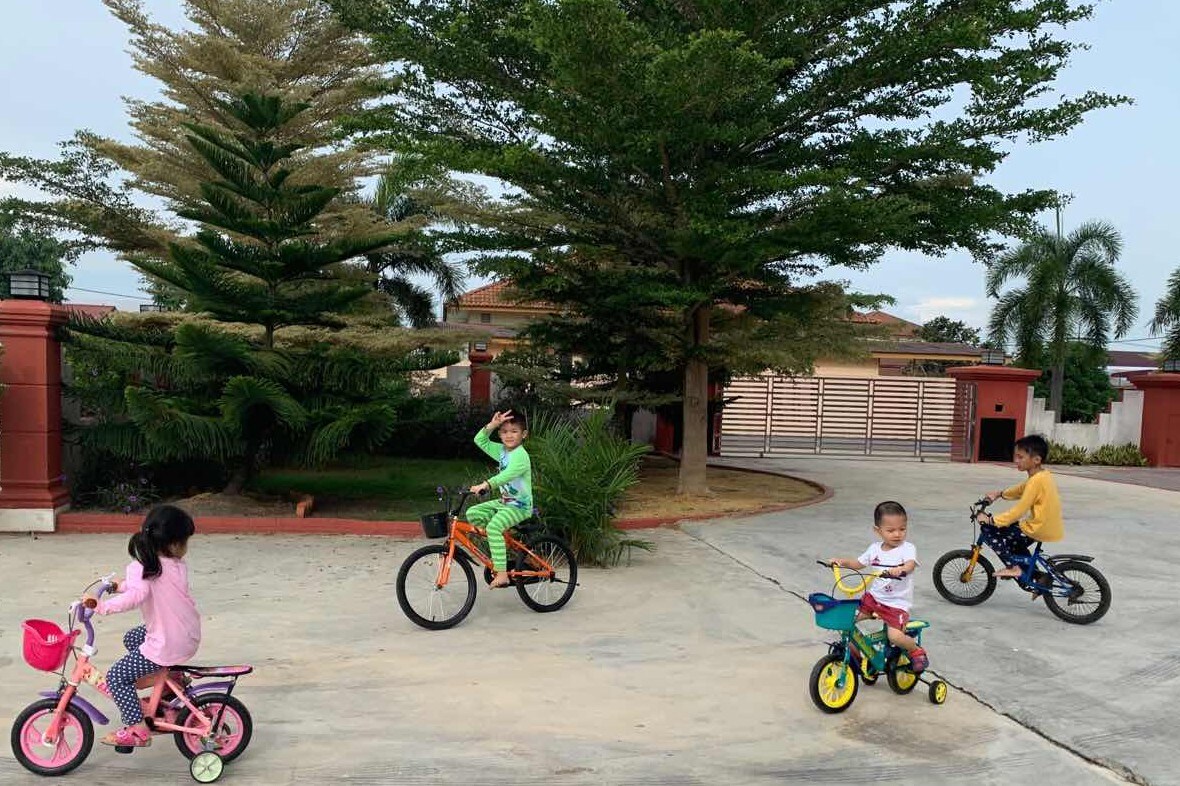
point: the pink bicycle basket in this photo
(46, 646)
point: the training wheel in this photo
(206, 767)
(938, 692)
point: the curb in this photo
(108, 523)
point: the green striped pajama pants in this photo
(495, 516)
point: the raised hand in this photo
(499, 419)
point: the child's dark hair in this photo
(519, 419)
(165, 526)
(1034, 445)
(888, 509)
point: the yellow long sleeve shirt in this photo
(1037, 497)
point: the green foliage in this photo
(950, 331)
(272, 369)
(1087, 391)
(1071, 291)
(24, 246)
(581, 469)
(1067, 454)
(1166, 319)
(1128, 455)
(679, 172)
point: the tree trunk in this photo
(694, 452)
(1057, 390)
(244, 472)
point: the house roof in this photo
(925, 348)
(899, 326)
(91, 310)
(498, 295)
(1121, 359)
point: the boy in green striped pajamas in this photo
(514, 481)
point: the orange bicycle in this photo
(541, 567)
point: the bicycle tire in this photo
(182, 740)
(555, 552)
(944, 586)
(1062, 612)
(435, 623)
(44, 708)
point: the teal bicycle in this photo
(858, 656)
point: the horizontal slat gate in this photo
(770, 414)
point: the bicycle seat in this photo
(917, 625)
(213, 671)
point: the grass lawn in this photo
(401, 489)
(380, 487)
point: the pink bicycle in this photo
(54, 735)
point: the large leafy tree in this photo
(1166, 319)
(271, 369)
(950, 331)
(705, 158)
(125, 196)
(1071, 290)
(1086, 389)
(25, 247)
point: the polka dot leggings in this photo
(1010, 543)
(127, 670)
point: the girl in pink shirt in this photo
(157, 584)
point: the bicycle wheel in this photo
(1088, 597)
(423, 601)
(833, 684)
(949, 574)
(901, 678)
(547, 594)
(233, 733)
(74, 741)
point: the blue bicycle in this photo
(1072, 588)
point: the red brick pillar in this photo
(1160, 435)
(481, 377)
(31, 488)
(1000, 406)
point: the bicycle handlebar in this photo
(865, 578)
(83, 612)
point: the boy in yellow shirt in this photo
(1037, 497)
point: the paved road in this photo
(684, 668)
(1152, 477)
(1110, 691)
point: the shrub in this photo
(1067, 454)
(1127, 455)
(581, 469)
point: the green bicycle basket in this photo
(833, 614)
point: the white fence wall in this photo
(1123, 424)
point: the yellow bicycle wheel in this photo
(938, 692)
(901, 677)
(833, 684)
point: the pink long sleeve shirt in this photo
(169, 612)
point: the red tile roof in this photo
(899, 326)
(499, 295)
(1124, 359)
(91, 310)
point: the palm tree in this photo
(1072, 291)
(416, 255)
(1167, 318)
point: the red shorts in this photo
(891, 616)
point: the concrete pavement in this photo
(1109, 691)
(684, 668)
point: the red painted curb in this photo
(98, 523)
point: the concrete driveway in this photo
(1109, 692)
(688, 667)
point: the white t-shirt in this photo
(898, 593)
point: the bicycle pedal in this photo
(124, 749)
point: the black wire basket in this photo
(436, 525)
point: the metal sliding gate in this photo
(879, 416)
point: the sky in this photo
(64, 66)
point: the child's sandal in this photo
(129, 737)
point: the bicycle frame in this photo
(1034, 567)
(85, 671)
(459, 540)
